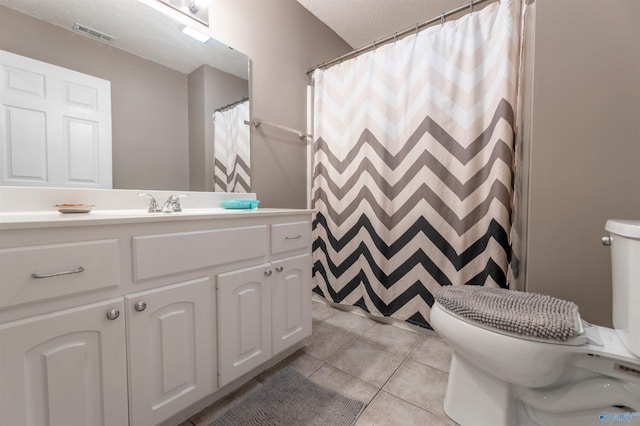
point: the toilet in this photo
(575, 374)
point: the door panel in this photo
(171, 361)
(291, 313)
(244, 321)
(65, 369)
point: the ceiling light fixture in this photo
(196, 34)
(195, 9)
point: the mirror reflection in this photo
(178, 106)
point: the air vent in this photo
(88, 31)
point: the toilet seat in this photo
(580, 339)
(522, 315)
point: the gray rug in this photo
(290, 399)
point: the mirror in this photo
(165, 88)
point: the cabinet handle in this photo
(295, 237)
(279, 268)
(57, 274)
(140, 306)
(268, 272)
(113, 313)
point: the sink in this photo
(145, 212)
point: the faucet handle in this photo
(173, 204)
(176, 202)
(153, 204)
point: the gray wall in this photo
(145, 156)
(585, 146)
(282, 39)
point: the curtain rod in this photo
(395, 36)
(231, 105)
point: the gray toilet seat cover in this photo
(526, 314)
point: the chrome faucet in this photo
(153, 204)
(173, 204)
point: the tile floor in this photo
(401, 375)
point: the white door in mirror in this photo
(58, 125)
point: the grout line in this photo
(438, 416)
(431, 366)
(354, 377)
(393, 373)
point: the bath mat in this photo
(526, 314)
(290, 399)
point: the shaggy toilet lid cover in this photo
(526, 314)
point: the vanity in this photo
(119, 316)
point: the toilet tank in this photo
(625, 275)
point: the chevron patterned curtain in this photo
(413, 165)
(231, 158)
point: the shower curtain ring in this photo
(471, 6)
(442, 19)
(417, 30)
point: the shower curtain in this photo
(413, 165)
(231, 149)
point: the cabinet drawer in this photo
(43, 272)
(290, 236)
(165, 254)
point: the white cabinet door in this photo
(65, 369)
(171, 349)
(56, 125)
(244, 321)
(291, 302)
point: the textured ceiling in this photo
(361, 22)
(146, 33)
(139, 29)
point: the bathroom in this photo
(582, 168)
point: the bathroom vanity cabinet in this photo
(116, 320)
(263, 310)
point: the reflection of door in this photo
(55, 125)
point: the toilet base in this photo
(476, 398)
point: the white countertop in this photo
(49, 219)
(33, 207)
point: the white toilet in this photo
(500, 378)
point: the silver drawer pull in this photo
(113, 314)
(294, 237)
(140, 306)
(57, 274)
